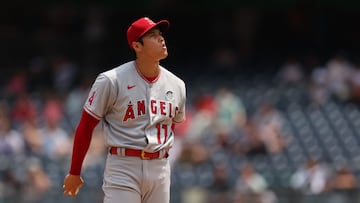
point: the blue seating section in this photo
(328, 132)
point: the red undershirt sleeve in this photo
(82, 140)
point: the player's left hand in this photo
(72, 184)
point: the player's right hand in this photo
(72, 184)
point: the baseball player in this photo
(137, 105)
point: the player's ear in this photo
(136, 45)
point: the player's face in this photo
(154, 45)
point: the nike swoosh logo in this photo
(130, 86)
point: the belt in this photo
(138, 153)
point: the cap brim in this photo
(163, 25)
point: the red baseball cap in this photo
(138, 28)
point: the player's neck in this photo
(147, 68)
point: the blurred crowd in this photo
(41, 105)
(221, 125)
(237, 137)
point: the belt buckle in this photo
(143, 157)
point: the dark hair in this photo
(140, 40)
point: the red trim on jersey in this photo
(91, 113)
(151, 79)
(82, 141)
(147, 79)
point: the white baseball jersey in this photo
(136, 113)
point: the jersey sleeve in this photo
(180, 115)
(82, 141)
(101, 95)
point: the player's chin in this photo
(163, 55)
